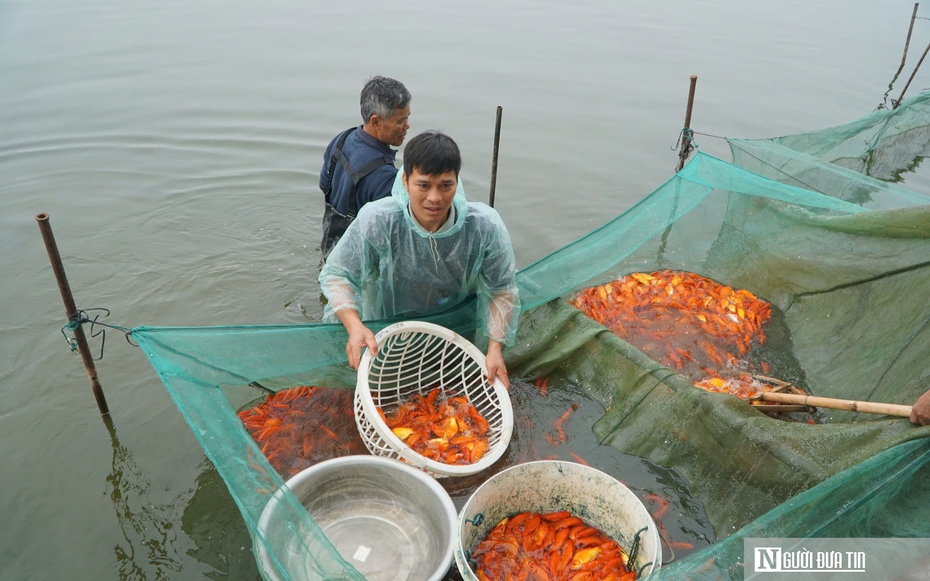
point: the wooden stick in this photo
(922, 57)
(783, 407)
(685, 140)
(868, 407)
(894, 79)
(909, 31)
(497, 143)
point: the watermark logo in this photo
(836, 559)
(776, 560)
(767, 559)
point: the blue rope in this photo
(79, 318)
(72, 342)
(689, 134)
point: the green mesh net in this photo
(843, 258)
(884, 145)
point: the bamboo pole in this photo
(867, 407)
(497, 143)
(71, 310)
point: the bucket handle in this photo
(634, 548)
(472, 562)
(476, 521)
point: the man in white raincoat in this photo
(423, 251)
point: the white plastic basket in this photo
(414, 358)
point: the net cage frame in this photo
(193, 361)
(412, 357)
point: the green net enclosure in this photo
(843, 259)
(874, 499)
(884, 145)
(864, 159)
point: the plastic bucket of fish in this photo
(415, 359)
(391, 521)
(551, 486)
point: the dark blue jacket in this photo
(360, 148)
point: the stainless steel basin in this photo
(391, 521)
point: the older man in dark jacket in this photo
(358, 165)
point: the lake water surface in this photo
(177, 148)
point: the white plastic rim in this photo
(381, 441)
(553, 485)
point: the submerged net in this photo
(842, 258)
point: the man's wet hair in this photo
(383, 96)
(432, 153)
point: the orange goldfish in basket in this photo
(450, 431)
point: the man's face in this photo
(393, 130)
(430, 197)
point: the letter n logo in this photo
(768, 559)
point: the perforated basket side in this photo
(407, 363)
(377, 445)
(373, 440)
(415, 358)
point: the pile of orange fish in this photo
(448, 430)
(702, 329)
(298, 427)
(553, 546)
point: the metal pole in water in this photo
(71, 309)
(497, 143)
(685, 137)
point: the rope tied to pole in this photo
(80, 317)
(688, 134)
(79, 340)
(686, 137)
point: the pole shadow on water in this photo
(153, 547)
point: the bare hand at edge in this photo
(359, 336)
(495, 364)
(920, 412)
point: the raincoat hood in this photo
(387, 266)
(400, 195)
